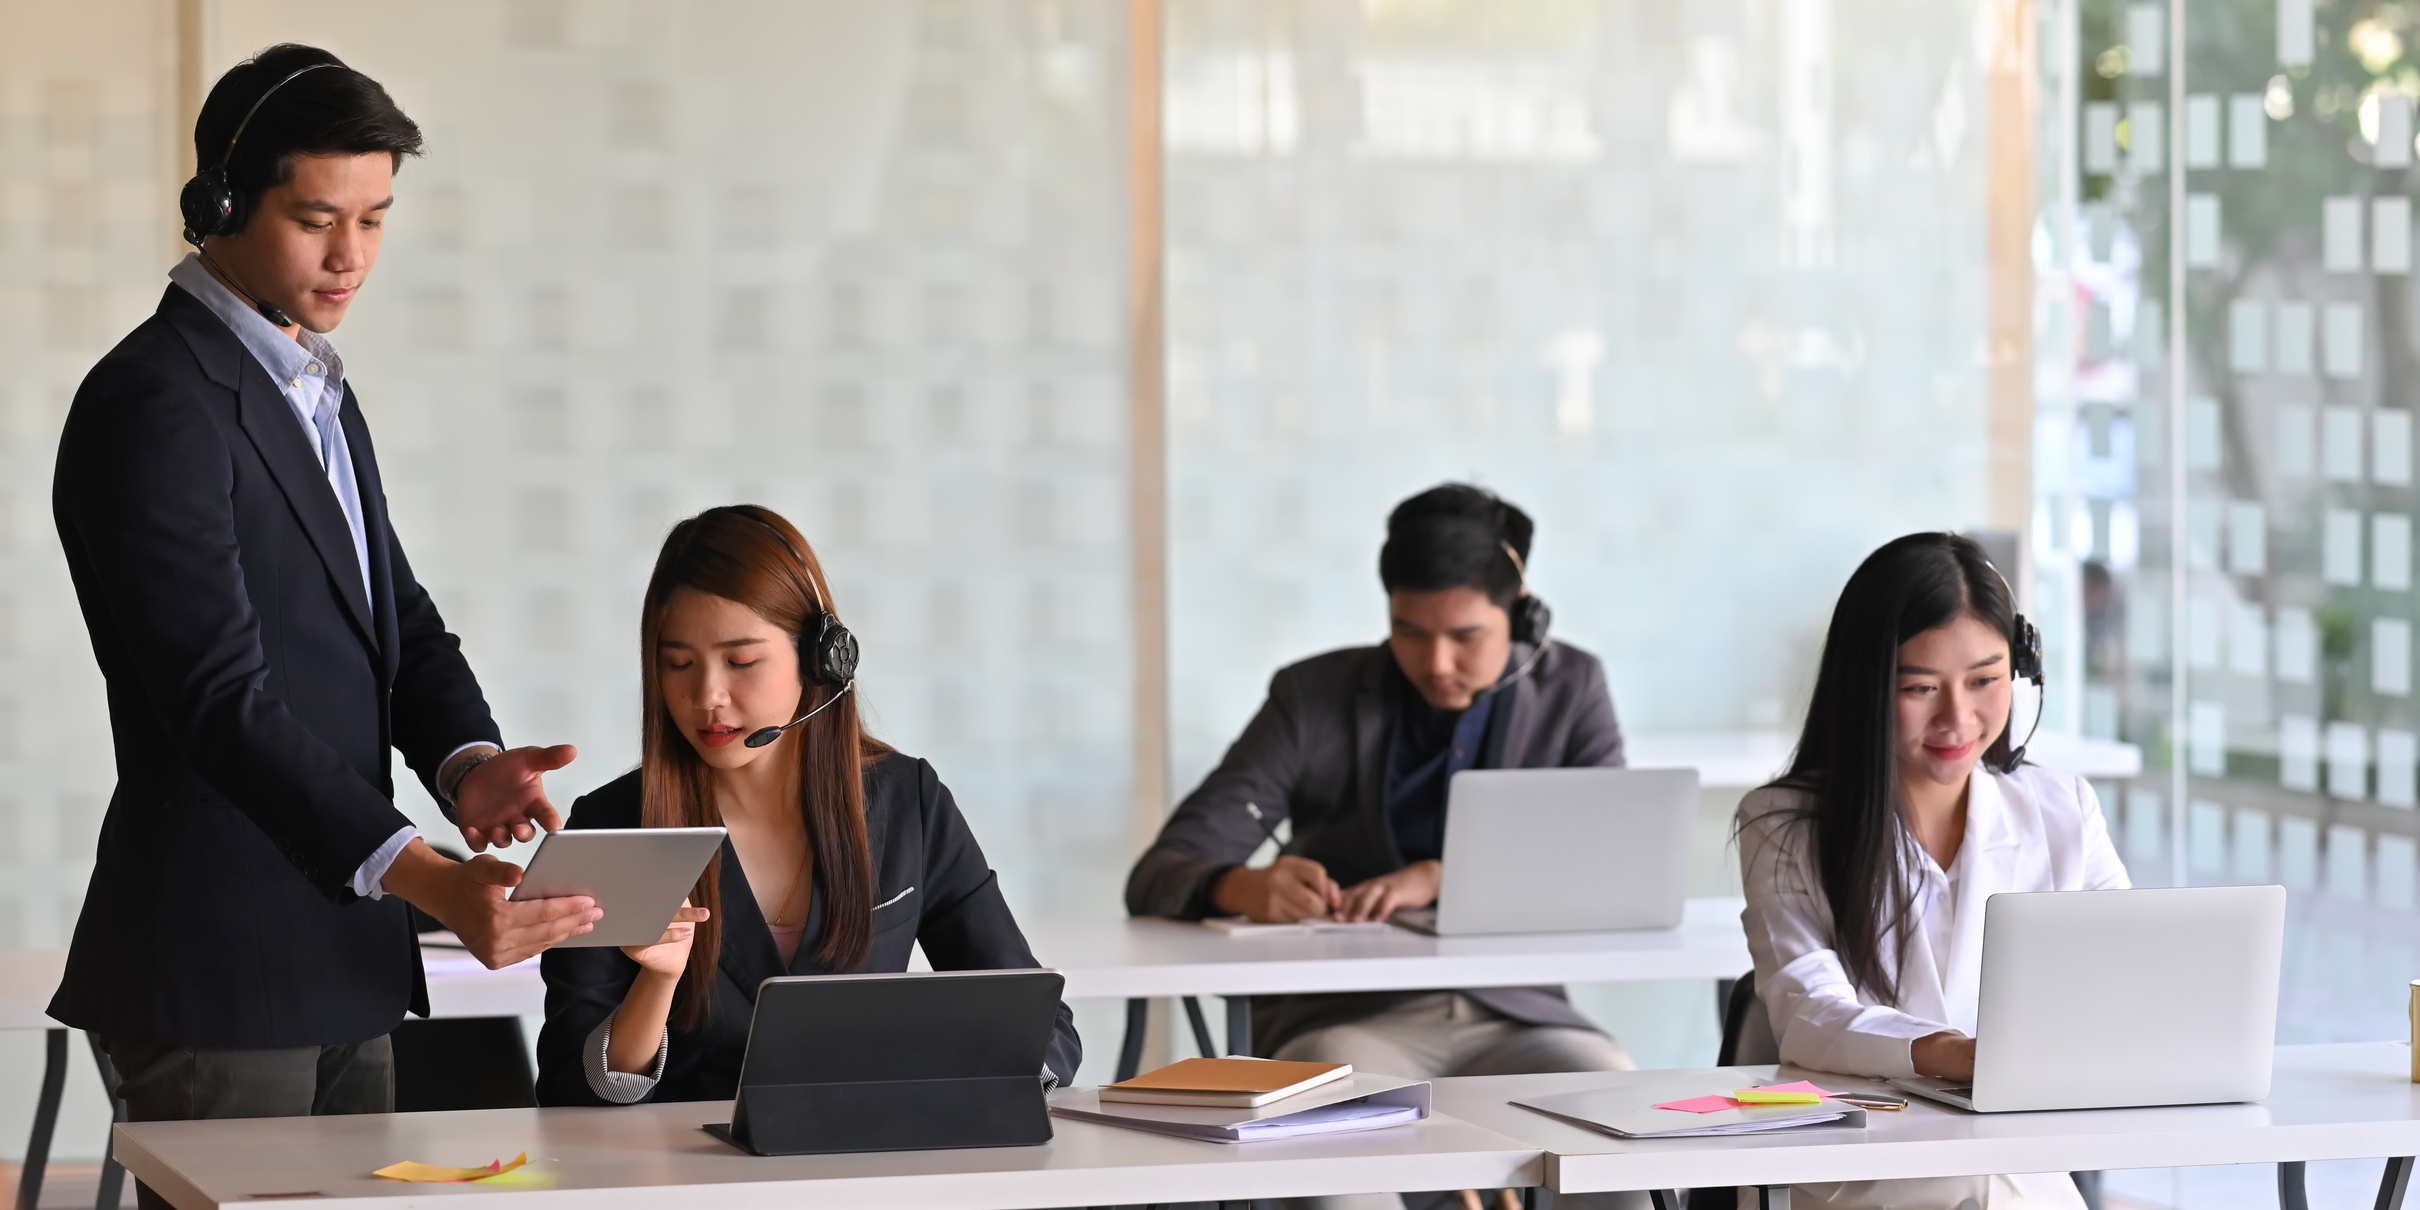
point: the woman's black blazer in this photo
(920, 841)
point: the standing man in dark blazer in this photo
(1356, 747)
(244, 947)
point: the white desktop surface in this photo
(655, 1156)
(1120, 957)
(2339, 1101)
(28, 979)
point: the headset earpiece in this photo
(830, 658)
(1530, 618)
(2025, 663)
(208, 202)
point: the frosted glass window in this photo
(2340, 444)
(2250, 845)
(2340, 340)
(2206, 837)
(2146, 137)
(2201, 230)
(2247, 538)
(2391, 447)
(2348, 761)
(2396, 856)
(2205, 632)
(2207, 745)
(2100, 137)
(2398, 761)
(2391, 232)
(2248, 641)
(2293, 338)
(2391, 552)
(2248, 336)
(2247, 132)
(2296, 450)
(2340, 548)
(2147, 38)
(2340, 235)
(2394, 148)
(2297, 646)
(2298, 752)
(2205, 529)
(2294, 33)
(2348, 854)
(2205, 438)
(2391, 657)
(2201, 131)
(2297, 853)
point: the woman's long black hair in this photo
(1848, 763)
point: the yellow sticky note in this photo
(1774, 1096)
(431, 1173)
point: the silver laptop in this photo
(1563, 851)
(2102, 999)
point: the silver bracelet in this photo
(462, 770)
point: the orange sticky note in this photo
(433, 1174)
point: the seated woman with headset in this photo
(843, 854)
(1867, 865)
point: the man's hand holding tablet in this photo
(469, 897)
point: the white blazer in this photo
(2031, 830)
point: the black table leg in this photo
(2391, 1186)
(2290, 1192)
(46, 1118)
(1667, 1199)
(1239, 1025)
(1130, 1052)
(2088, 1186)
(1201, 1028)
(113, 1174)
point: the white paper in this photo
(2394, 148)
(2201, 130)
(2146, 137)
(2391, 447)
(2293, 33)
(2391, 552)
(2202, 638)
(2292, 338)
(2201, 230)
(2248, 641)
(2398, 761)
(2340, 340)
(2348, 761)
(2204, 441)
(2247, 131)
(2100, 137)
(2247, 538)
(2391, 233)
(2391, 657)
(2297, 646)
(2248, 336)
(2146, 39)
(2340, 548)
(2340, 443)
(2298, 752)
(2296, 451)
(2206, 753)
(2340, 234)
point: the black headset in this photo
(2025, 663)
(208, 201)
(827, 652)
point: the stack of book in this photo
(1238, 1100)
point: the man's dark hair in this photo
(336, 111)
(1453, 536)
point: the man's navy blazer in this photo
(255, 694)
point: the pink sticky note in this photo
(1713, 1104)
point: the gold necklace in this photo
(795, 883)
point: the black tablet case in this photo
(911, 1062)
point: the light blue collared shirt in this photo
(312, 378)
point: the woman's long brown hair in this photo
(749, 554)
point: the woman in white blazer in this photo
(1867, 865)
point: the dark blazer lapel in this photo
(269, 421)
(1369, 757)
(749, 955)
(373, 530)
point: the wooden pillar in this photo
(1146, 338)
(2010, 204)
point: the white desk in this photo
(2343, 1101)
(654, 1156)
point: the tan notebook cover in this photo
(1241, 1082)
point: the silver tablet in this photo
(638, 875)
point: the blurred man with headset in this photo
(1356, 747)
(244, 947)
